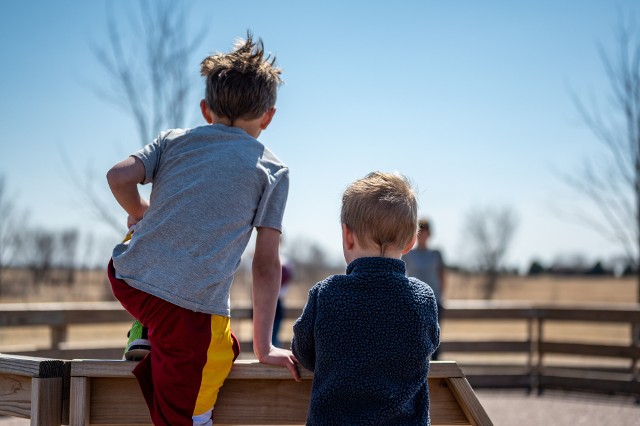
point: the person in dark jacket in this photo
(368, 334)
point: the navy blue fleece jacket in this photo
(367, 336)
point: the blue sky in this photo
(469, 99)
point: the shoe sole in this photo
(137, 350)
(136, 354)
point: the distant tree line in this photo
(598, 268)
(49, 256)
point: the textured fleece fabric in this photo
(211, 186)
(367, 336)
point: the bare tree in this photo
(40, 249)
(9, 229)
(147, 62)
(67, 248)
(148, 72)
(489, 232)
(611, 182)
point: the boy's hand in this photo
(284, 358)
(134, 219)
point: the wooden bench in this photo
(106, 392)
(32, 388)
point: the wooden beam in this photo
(485, 346)
(275, 398)
(468, 401)
(584, 349)
(32, 388)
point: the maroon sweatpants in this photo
(176, 374)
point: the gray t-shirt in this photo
(211, 186)
(425, 265)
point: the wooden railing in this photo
(533, 359)
(559, 361)
(88, 392)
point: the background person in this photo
(428, 266)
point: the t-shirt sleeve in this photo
(150, 157)
(273, 201)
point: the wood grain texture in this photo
(468, 401)
(15, 395)
(31, 366)
(46, 401)
(79, 401)
(253, 394)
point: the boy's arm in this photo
(123, 179)
(266, 285)
(442, 274)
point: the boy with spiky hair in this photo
(211, 186)
(368, 335)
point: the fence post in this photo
(635, 342)
(532, 349)
(58, 336)
(539, 315)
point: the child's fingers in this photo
(294, 370)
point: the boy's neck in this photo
(250, 126)
(354, 249)
(357, 253)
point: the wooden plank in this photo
(468, 401)
(62, 313)
(31, 366)
(65, 354)
(485, 346)
(614, 351)
(241, 401)
(46, 401)
(590, 383)
(444, 408)
(101, 368)
(275, 397)
(590, 313)
(15, 395)
(79, 402)
(242, 369)
(32, 388)
(489, 310)
(271, 402)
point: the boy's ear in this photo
(206, 112)
(267, 117)
(410, 245)
(347, 237)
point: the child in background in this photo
(211, 186)
(427, 265)
(367, 335)
(288, 272)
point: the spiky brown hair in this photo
(242, 83)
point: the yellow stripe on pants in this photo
(219, 361)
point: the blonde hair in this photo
(382, 209)
(243, 83)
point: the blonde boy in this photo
(367, 335)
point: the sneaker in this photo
(138, 345)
